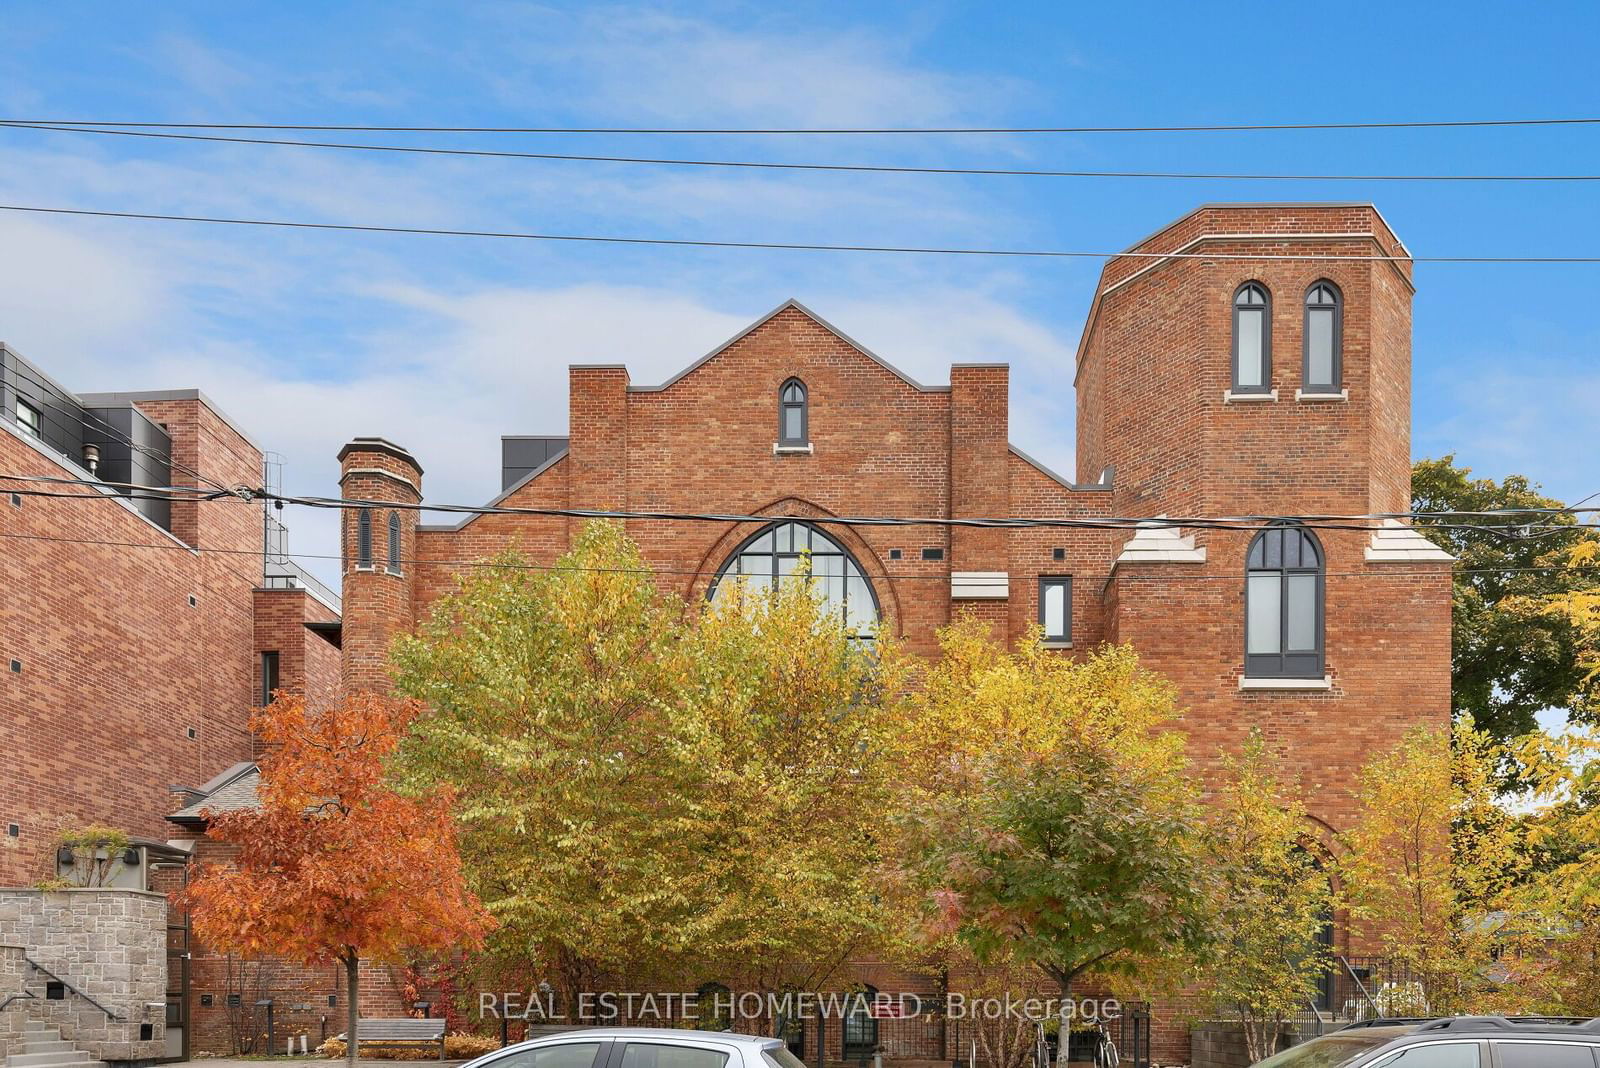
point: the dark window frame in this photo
(785, 406)
(859, 1031)
(1265, 385)
(849, 561)
(1065, 582)
(1337, 363)
(271, 677)
(364, 539)
(1286, 664)
(393, 562)
(32, 427)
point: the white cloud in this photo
(1518, 417)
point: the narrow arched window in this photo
(394, 543)
(1283, 605)
(364, 538)
(793, 418)
(1252, 339)
(1324, 339)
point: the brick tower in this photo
(379, 543)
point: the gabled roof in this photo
(232, 791)
(814, 317)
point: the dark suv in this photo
(1456, 1042)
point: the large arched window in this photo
(794, 418)
(1252, 339)
(1324, 338)
(774, 554)
(1283, 605)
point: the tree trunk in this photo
(352, 973)
(1064, 1038)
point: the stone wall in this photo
(1219, 1044)
(12, 972)
(109, 944)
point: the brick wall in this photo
(117, 665)
(1152, 370)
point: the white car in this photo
(642, 1047)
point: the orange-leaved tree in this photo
(333, 864)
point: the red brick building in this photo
(137, 634)
(1218, 375)
(1225, 370)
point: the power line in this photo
(74, 405)
(829, 131)
(786, 246)
(861, 168)
(491, 564)
(1316, 521)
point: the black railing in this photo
(69, 987)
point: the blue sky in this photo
(444, 344)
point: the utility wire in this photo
(847, 167)
(1330, 521)
(799, 131)
(492, 564)
(74, 405)
(787, 246)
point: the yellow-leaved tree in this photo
(1272, 900)
(1045, 815)
(1430, 866)
(650, 789)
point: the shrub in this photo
(457, 1046)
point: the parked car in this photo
(1454, 1042)
(642, 1047)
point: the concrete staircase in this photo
(43, 1047)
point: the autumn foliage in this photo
(334, 864)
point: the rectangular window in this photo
(1263, 611)
(1249, 334)
(793, 425)
(27, 418)
(1300, 612)
(269, 677)
(1055, 607)
(1319, 348)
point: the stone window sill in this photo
(392, 571)
(1324, 683)
(791, 450)
(1055, 645)
(1230, 397)
(369, 570)
(1342, 395)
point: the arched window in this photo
(714, 1007)
(1252, 339)
(774, 554)
(1283, 605)
(860, 1026)
(364, 538)
(394, 543)
(794, 422)
(1324, 339)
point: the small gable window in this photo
(1324, 338)
(394, 543)
(1252, 339)
(793, 418)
